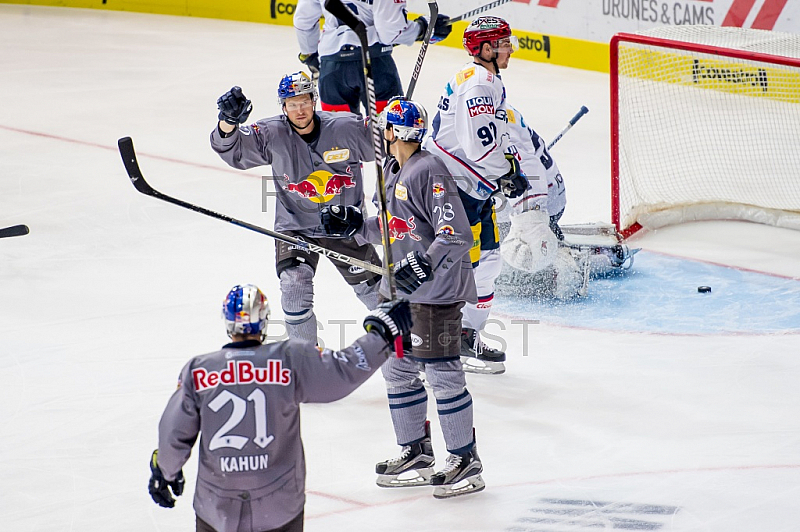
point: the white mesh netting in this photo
(704, 135)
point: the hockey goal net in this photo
(705, 125)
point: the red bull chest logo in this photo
(399, 228)
(320, 186)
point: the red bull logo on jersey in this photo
(242, 372)
(320, 186)
(399, 228)
(480, 105)
(438, 190)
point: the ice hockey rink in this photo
(646, 406)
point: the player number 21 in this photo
(221, 438)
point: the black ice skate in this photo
(413, 467)
(460, 476)
(478, 357)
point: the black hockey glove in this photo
(312, 62)
(341, 221)
(412, 271)
(389, 320)
(159, 486)
(441, 28)
(234, 107)
(514, 183)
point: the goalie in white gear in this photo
(533, 243)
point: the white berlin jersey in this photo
(386, 21)
(469, 132)
(546, 186)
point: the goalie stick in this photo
(434, 9)
(571, 123)
(14, 230)
(135, 174)
(345, 15)
(478, 10)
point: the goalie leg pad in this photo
(568, 277)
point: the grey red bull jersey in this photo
(306, 177)
(243, 403)
(426, 215)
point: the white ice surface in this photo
(113, 291)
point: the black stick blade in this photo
(343, 13)
(132, 166)
(14, 230)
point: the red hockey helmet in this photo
(485, 29)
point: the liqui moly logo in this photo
(242, 372)
(480, 105)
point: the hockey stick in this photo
(470, 14)
(343, 13)
(136, 177)
(14, 230)
(434, 8)
(572, 122)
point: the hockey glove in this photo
(441, 28)
(412, 271)
(341, 221)
(234, 107)
(514, 183)
(159, 486)
(389, 320)
(312, 62)
(530, 245)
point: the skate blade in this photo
(406, 479)
(475, 365)
(463, 487)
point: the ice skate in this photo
(413, 467)
(460, 476)
(477, 357)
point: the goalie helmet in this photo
(246, 311)
(296, 84)
(407, 118)
(486, 29)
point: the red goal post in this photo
(705, 125)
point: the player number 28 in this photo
(487, 133)
(221, 438)
(444, 212)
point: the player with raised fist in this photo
(329, 173)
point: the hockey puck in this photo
(704, 289)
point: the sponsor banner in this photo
(599, 20)
(546, 48)
(266, 11)
(572, 33)
(747, 79)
